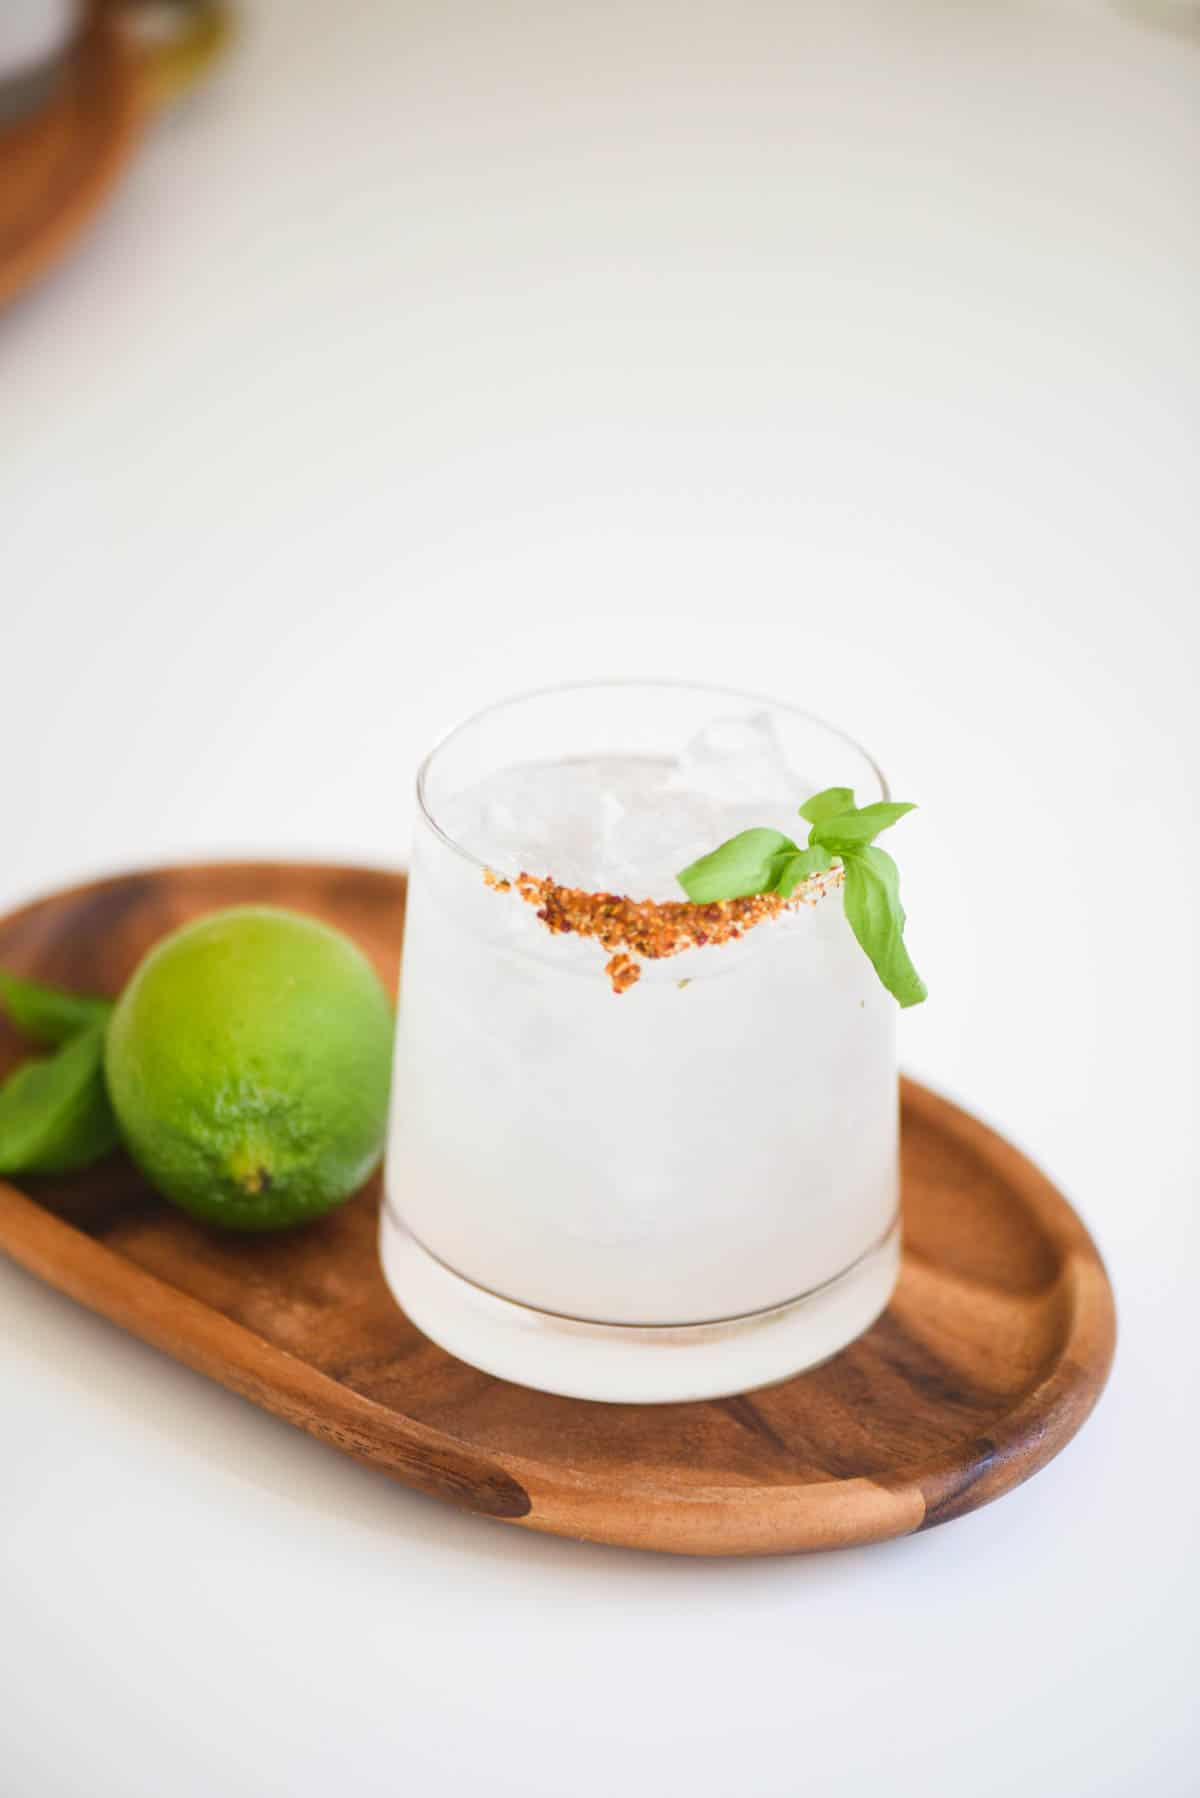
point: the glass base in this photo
(634, 1364)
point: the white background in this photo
(441, 349)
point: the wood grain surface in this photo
(991, 1355)
(57, 166)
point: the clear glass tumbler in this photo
(682, 1190)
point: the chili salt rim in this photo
(654, 929)
(587, 686)
(630, 928)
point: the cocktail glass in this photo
(684, 1189)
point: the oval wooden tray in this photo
(58, 166)
(991, 1356)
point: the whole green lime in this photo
(248, 1061)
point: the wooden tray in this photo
(57, 167)
(990, 1357)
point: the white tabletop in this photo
(439, 350)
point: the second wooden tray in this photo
(992, 1353)
(57, 167)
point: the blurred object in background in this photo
(35, 39)
(77, 83)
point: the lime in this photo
(248, 1061)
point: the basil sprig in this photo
(55, 1114)
(47, 1013)
(767, 861)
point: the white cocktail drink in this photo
(686, 1188)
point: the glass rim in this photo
(616, 683)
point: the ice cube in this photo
(611, 814)
(629, 844)
(500, 822)
(738, 760)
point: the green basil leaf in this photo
(876, 916)
(748, 863)
(47, 1013)
(799, 867)
(828, 804)
(55, 1114)
(847, 830)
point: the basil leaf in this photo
(876, 916)
(828, 804)
(748, 863)
(765, 861)
(799, 867)
(54, 1112)
(47, 1013)
(846, 830)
